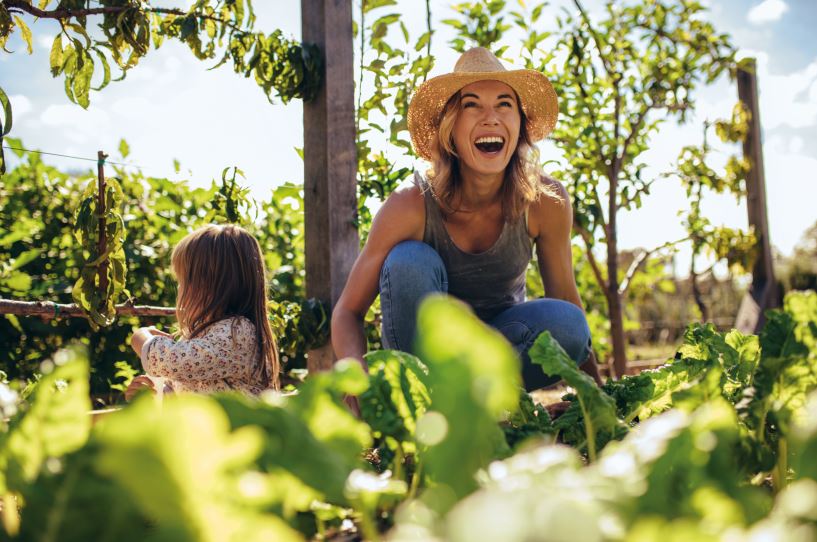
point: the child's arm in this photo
(226, 351)
(142, 335)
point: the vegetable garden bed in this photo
(718, 444)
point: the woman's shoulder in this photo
(410, 192)
(404, 211)
(553, 190)
(551, 208)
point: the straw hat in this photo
(534, 90)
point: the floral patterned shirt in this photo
(221, 358)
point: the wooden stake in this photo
(763, 294)
(102, 243)
(330, 160)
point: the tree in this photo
(128, 28)
(618, 80)
(697, 176)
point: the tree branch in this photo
(642, 115)
(61, 14)
(49, 309)
(640, 259)
(607, 67)
(594, 265)
(590, 111)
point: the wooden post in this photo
(102, 241)
(330, 160)
(763, 292)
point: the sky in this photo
(171, 106)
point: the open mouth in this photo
(490, 144)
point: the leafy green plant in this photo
(289, 467)
(100, 231)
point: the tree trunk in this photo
(696, 291)
(613, 293)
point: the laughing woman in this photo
(468, 227)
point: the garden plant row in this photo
(718, 444)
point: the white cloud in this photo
(74, 115)
(789, 182)
(45, 41)
(767, 11)
(132, 108)
(788, 99)
(796, 145)
(20, 105)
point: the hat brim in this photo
(536, 94)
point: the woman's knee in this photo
(567, 324)
(413, 263)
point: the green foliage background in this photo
(43, 260)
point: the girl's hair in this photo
(221, 275)
(523, 183)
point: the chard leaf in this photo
(397, 394)
(682, 465)
(474, 378)
(54, 422)
(289, 446)
(598, 408)
(319, 405)
(189, 473)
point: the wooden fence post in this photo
(763, 293)
(102, 242)
(330, 160)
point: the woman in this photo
(468, 227)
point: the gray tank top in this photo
(490, 281)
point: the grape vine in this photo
(100, 230)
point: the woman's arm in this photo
(401, 218)
(550, 222)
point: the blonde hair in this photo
(523, 183)
(221, 275)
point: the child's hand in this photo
(153, 331)
(140, 383)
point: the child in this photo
(226, 340)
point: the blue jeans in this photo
(413, 270)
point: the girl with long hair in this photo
(225, 339)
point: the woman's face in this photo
(486, 130)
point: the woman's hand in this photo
(138, 384)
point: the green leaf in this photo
(424, 39)
(6, 121)
(106, 70)
(54, 422)
(474, 378)
(683, 465)
(318, 404)
(56, 56)
(81, 84)
(124, 148)
(17, 281)
(25, 258)
(290, 446)
(397, 395)
(193, 476)
(369, 5)
(25, 31)
(598, 408)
